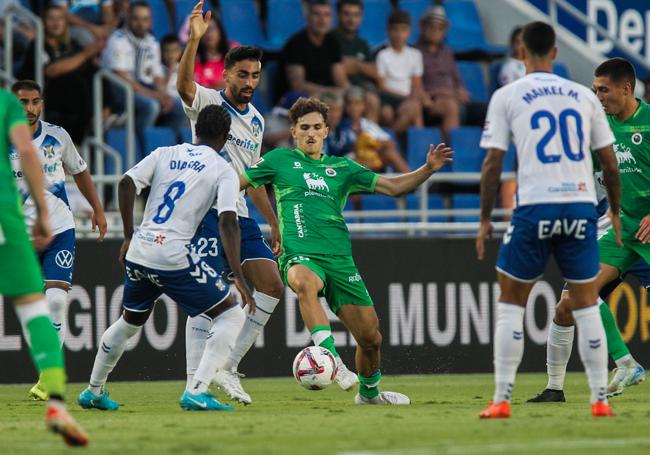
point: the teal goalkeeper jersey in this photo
(310, 196)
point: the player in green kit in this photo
(629, 119)
(20, 274)
(311, 189)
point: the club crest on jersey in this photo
(330, 172)
(297, 165)
(256, 126)
(48, 150)
(315, 181)
(637, 138)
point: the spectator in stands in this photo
(170, 51)
(312, 60)
(134, 55)
(22, 35)
(209, 66)
(89, 19)
(513, 67)
(400, 76)
(357, 58)
(334, 144)
(68, 72)
(277, 126)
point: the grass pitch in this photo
(285, 419)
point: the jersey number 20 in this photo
(562, 121)
(173, 193)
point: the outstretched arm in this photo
(198, 26)
(397, 186)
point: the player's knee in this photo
(563, 315)
(273, 288)
(135, 317)
(370, 340)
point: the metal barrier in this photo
(12, 11)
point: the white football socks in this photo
(558, 353)
(225, 329)
(508, 348)
(592, 346)
(111, 348)
(252, 328)
(196, 334)
(57, 299)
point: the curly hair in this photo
(304, 106)
(213, 123)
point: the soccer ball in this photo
(314, 368)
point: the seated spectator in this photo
(357, 58)
(68, 70)
(134, 55)
(334, 145)
(366, 142)
(209, 65)
(170, 52)
(400, 76)
(311, 59)
(513, 67)
(89, 19)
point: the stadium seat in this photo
(466, 31)
(561, 70)
(375, 20)
(379, 202)
(418, 140)
(186, 135)
(510, 160)
(285, 17)
(115, 138)
(160, 18)
(472, 75)
(416, 9)
(495, 68)
(242, 22)
(466, 201)
(156, 136)
(183, 8)
(468, 156)
(434, 201)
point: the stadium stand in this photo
(434, 202)
(416, 9)
(379, 202)
(285, 17)
(156, 136)
(186, 135)
(240, 25)
(472, 75)
(466, 33)
(466, 201)
(375, 17)
(115, 138)
(468, 157)
(160, 17)
(418, 140)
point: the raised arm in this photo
(198, 26)
(490, 177)
(397, 186)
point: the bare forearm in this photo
(126, 199)
(34, 177)
(369, 70)
(185, 82)
(406, 183)
(66, 65)
(260, 198)
(613, 183)
(490, 177)
(87, 188)
(231, 240)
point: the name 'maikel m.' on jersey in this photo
(185, 182)
(244, 143)
(553, 123)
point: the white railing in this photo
(11, 12)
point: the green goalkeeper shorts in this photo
(343, 283)
(20, 273)
(629, 254)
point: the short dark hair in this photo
(312, 3)
(341, 3)
(399, 16)
(213, 123)
(617, 69)
(138, 4)
(26, 84)
(304, 106)
(169, 38)
(513, 34)
(239, 53)
(539, 38)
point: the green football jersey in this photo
(632, 148)
(11, 114)
(310, 196)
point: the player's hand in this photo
(198, 21)
(439, 156)
(643, 234)
(41, 233)
(615, 218)
(276, 241)
(123, 249)
(98, 220)
(484, 232)
(246, 294)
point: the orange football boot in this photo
(59, 421)
(501, 410)
(602, 409)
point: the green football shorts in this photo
(629, 254)
(343, 283)
(20, 273)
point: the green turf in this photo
(286, 419)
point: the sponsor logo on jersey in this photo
(637, 138)
(623, 154)
(330, 172)
(568, 187)
(64, 259)
(315, 181)
(354, 278)
(245, 144)
(297, 216)
(159, 239)
(297, 165)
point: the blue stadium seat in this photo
(285, 17)
(186, 135)
(183, 8)
(466, 201)
(466, 31)
(156, 136)
(495, 68)
(468, 157)
(561, 70)
(375, 20)
(472, 75)
(116, 138)
(160, 18)
(416, 9)
(379, 202)
(242, 22)
(418, 140)
(510, 160)
(434, 201)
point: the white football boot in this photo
(393, 398)
(625, 377)
(229, 382)
(345, 378)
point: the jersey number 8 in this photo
(563, 122)
(173, 193)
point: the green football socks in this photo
(616, 347)
(322, 336)
(368, 386)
